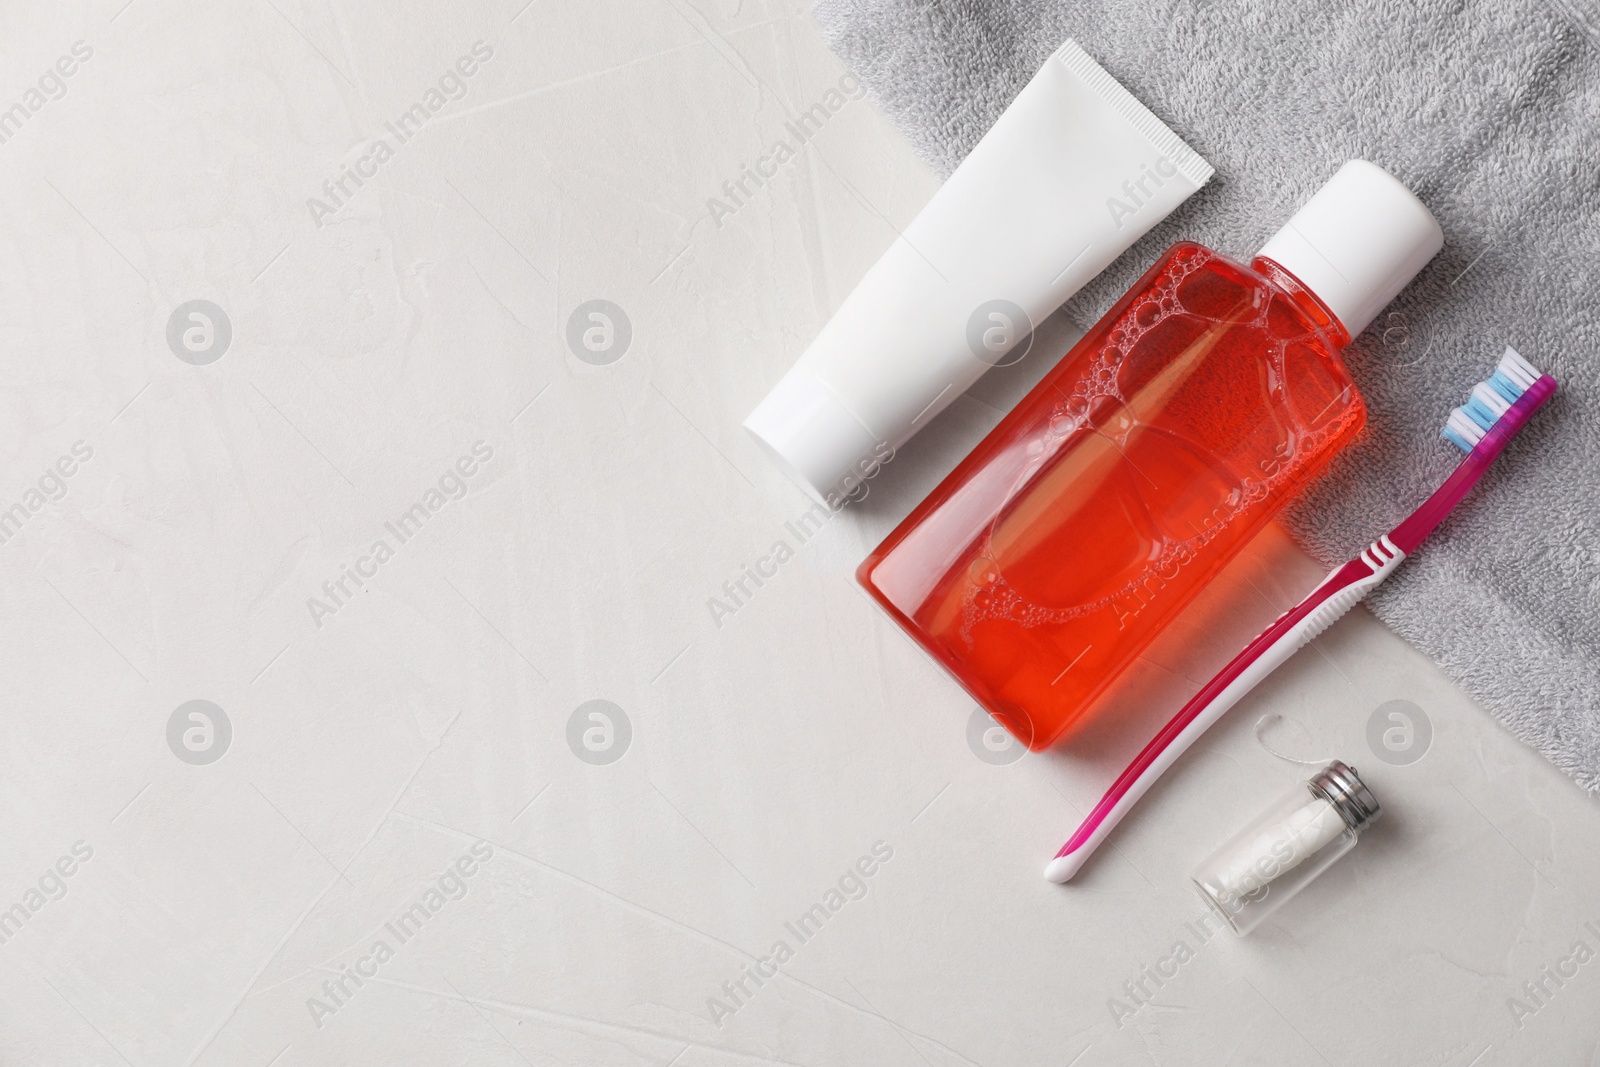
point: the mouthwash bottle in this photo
(1148, 457)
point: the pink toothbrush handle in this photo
(1324, 605)
(1336, 595)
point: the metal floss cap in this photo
(1340, 785)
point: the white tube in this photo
(1068, 177)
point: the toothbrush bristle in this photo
(1490, 399)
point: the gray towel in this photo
(1490, 111)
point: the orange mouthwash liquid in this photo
(1147, 458)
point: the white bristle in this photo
(1520, 378)
(1491, 399)
(1518, 369)
(1469, 431)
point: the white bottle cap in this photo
(1358, 242)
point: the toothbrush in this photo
(1482, 427)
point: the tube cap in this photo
(814, 438)
(1357, 242)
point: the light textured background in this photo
(431, 713)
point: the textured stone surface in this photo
(377, 742)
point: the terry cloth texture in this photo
(1490, 111)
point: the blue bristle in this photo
(1478, 412)
(1505, 387)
